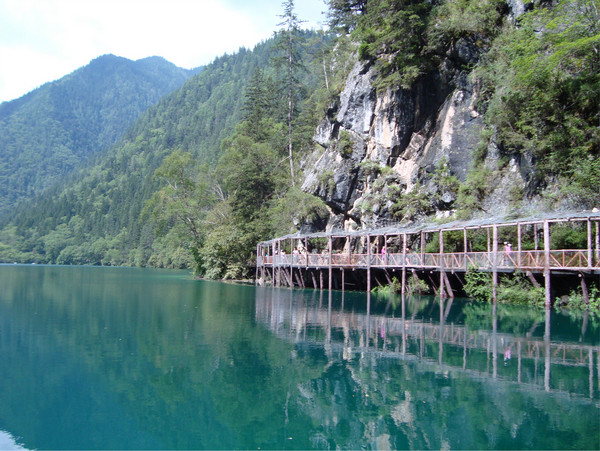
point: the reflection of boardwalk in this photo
(453, 346)
(443, 249)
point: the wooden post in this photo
(291, 263)
(441, 267)
(597, 243)
(465, 248)
(368, 263)
(584, 289)
(330, 249)
(519, 244)
(589, 243)
(403, 264)
(448, 286)
(257, 270)
(494, 263)
(278, 257)
(547, 263)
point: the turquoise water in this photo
(118, 358)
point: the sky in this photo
(44, 40)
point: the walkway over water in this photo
(532, 246)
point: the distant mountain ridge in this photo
(54, 129)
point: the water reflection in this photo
(429, 367)
(100, 358)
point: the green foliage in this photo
(394, 287)
(344, 144)
(61, 126)
(473, 191)
(478, 285)
(392, 36)
(513, 289)
(541, 84)
(178, 207)
(453, 20)
(300, 207)
(414, 285)
(568, 236)
(202, 206)
(412, 204)
(578, 302)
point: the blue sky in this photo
(43, 40)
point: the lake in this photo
(123, 358)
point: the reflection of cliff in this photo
(549, 364)
(390, 391)
(423, 380)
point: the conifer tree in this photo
(288, 47)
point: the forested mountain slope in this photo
(59, 126)
(96, 218)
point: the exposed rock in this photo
(398, 137)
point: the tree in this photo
(289, 47)
(343, 14)
(182, 202)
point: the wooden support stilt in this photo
(465, 248)
(368, 263)
(403, 290)
(584, 289)
(314, 280)
(448, 286)
(519, 244)
(495, 264)
(432, 282)
(387, 277)
(590, 255)
(597, 245)
(441, 266)
(330, 251)
(531, 277)
(547, 281)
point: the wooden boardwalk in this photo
(409, 249)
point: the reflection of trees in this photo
(402, 397)
(170, 363)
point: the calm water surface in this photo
(114, 358)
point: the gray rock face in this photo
(398, 140)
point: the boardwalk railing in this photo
(535, 261)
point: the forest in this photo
(55, 129)
(217, 165)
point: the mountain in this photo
(95, 218)
(51, 131)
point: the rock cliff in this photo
(383, 157)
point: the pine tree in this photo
(289, 57)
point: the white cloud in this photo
(42, 40)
